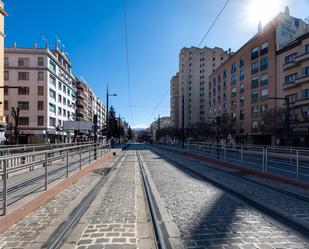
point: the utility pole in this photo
(158, 133)
(107, 111)
(95, 128)
(183, 121)
(119, 129)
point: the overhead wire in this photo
(214, 22)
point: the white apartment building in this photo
(195, 66)
(46, 95)
(174, 101)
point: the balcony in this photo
(302, 57)
(301, 80)
(301, 102)
(289, 65)
(289, 85)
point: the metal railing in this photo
(288, 162)
(35, 170)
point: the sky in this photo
(93, 33)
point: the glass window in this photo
(6, 75)
(306, 94)
(52, 80)
(264, 108)
(52, 66)
(264, 48)
(241, 61)
(40, 120)
(59, 111)
(40, 90)
(233, 67)
(254, 67)
(23, 75)
(242, 100)
(254, 96)
(64, 88)
(306, 71)
(52, 108)
(40, 61)
(40, 105)
(23, 62)
(23, 121)
(40, 76)
(242, 75)
(52, 94)
(23, 105)
(264, 63)
(254, 82)
(52, 122)
(59, 98)
(242, 88)
(264, 79)
(264, 93)
(290, 78)
(234, 92)
(290, 58)
(6, 105)
(254, 53)
(64, 101)
(233, 79)
(23, 90)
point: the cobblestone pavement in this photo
(209, 218)
(287, 205)
(25, 232)
(114, 222)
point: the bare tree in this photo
(15, 114)
(272, 122)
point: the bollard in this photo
(67, 156)
(4, 193)
(46, 172)
(80, 158)
(297, 165)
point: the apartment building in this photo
(2, 117)
(88, 104)
(174, 101)
(293, 79)
(244, 86)
(161, 123)
(40, 82)
(195, 66)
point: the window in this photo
(241, 61)
(52, 66)
(254, 82)
(6, 105)
(264, 80)
(242, 88)
(23, 75)
(254, 53)
(59, 111)
(64, 89)
(23, 62)
(290, 78)
(23, 90)
(264, 63)
(59, 123)
(241, 114)
(64, 113)
(59, 85)
(40, 120)
(233, 79)
(52, 108)
(23, 105)
(290, 58)
(264, 93)
(6, 75)
(64, 101)
(40, 61)
(264, 48)
(40, 105)
(241, 75)
(59, 98)
(306, 48)
(68, 92)
(40, 76)
(23, 121)
(234, 92)
(52, 94)
(254, 67)
(52, 80)
(224, 74)
(292, 97)
(255, 126)
(233, 67)
(264, 107)
(6, 91)
(254, 109)
(254, 96)
(306, 71)
(40, 90)
(6, 61)
(306, 94)
(52, 122)
(242, 100)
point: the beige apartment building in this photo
(293, 79)
(44, 89)
(245, 83)
(2, 35)
(195, 66)
(174, 101)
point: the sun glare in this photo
(262, 10)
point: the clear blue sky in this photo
(93, 34)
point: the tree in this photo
(227, 126)
(113, 122)
(130, 135)
(272, 122)
(15, 114)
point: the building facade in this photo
(39, 81)
(174, 101)
(246, 84)
(195, 66)
(2, 116)
(160, 123)
(293, 76)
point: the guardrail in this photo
(25, 162)
(287, 162)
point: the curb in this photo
(23, 211)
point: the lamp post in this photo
(107, 121)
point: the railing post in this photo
(212, 151)
(67, 162)
(297, 165)
(263, 159)
(4, 193)
(224, 152)
(89, 155)
(266, 160)
(80, 158)
(241, 156)
(46, 171)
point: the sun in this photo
(262, 10)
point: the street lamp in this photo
(107, 121)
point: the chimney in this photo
(260, 27)
(14, 44)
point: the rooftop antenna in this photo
(46, 41)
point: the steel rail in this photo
(287, 221)
(150, 200)
(56, 239)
